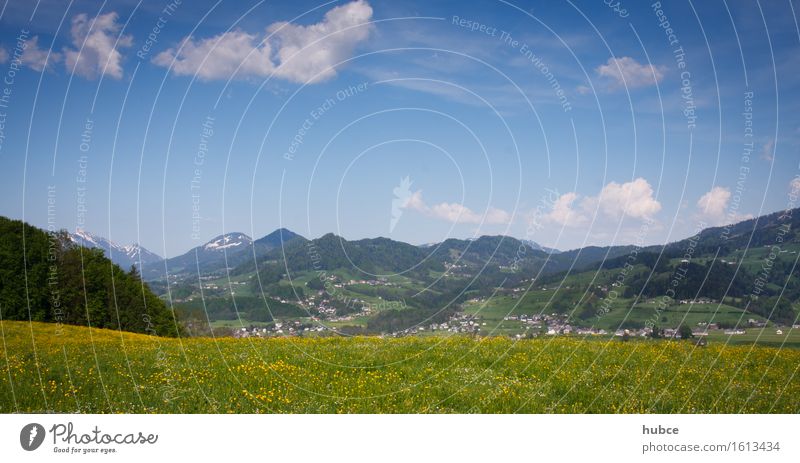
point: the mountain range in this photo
(223, 252)
(723, 265)
(236, 249)
(283, 249)
(382, 285)
(123, 255)
(440, 282)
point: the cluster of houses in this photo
(326, 311)
(459, 323)
(456, 270)
(699, 300)
(294, 328)
(322, 301)
(454, 266)
(552, 324)
(378, 282)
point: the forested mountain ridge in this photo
(751, 265)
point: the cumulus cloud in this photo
(563, 212)
(310, 52)
(36, 58)
(616, 200)
(713, 208)
(626, 71)
(415, 202)
(219, 57)
(455, 212)
(714, 203)
(297, 53)
(96, 43)
(634, 199)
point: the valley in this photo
(285, 284)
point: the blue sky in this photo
(565, 123)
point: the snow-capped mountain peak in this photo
(228, 241)
(131, 249)
(86, 239)
(124, 256)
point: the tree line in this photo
(45, 277)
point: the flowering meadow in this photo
(52, 368)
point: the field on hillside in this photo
(621, 311)
(46, 368)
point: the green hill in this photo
(45, 277)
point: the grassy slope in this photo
(86, 370)
(494, 310)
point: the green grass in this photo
(621, 310)
(76, 369)
(766, 336)
(237, 323)
(674, 315)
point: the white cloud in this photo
(307, 53)
(712, 207)
(3, 55)
(415, 202)
(767, 150)
(714, 203)
(36, 58)
(626, 71)
(96, 45)
(289, 51)
(497, 216)
(632, 199)
(563, 212)
(219, 57)
(456, 213)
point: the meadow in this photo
(64, 369)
